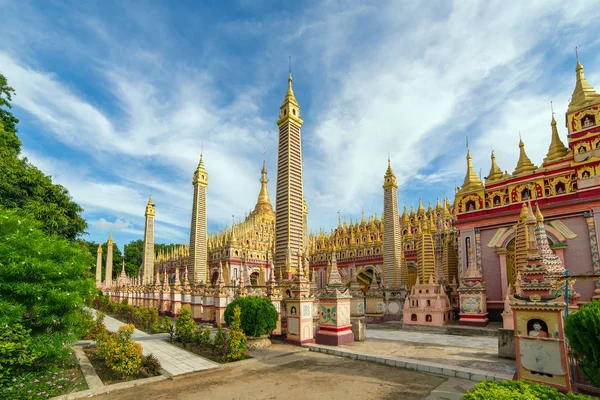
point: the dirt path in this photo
(296, 376)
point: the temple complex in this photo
(566, 187)
(470, 252)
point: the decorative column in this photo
(99, 267)
(503, 273)
(208, 305)
(334, 310)
(274, 295)
(197, 290)
(589, 219)
(299, 311)
(473, 299)
(166, 295)
(176, 295)
(357, 309)
(109, 263)
(186, 295)
(220, 298)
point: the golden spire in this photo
(495, 171)
(200, 175)
(583, 94)
(538, 214)
(557, 148)
(150, 210)
(99, 248)
(290, 109)
(405, 219)
(524, 164)
(110, 240)
(421, 209)
(264, 201)
(438, 205)
(472, 181)
(389, 180)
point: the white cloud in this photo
(399, 79)
(106, 226)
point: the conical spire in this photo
(472, 181)
(583, 94)
(200, 175)
(495, 171)
(289, 95)
(334, 280)
(389, 180)
(557, 148)
(421, 209)
(264, 201)
(524, 164)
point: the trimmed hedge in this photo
(517, 390)
(258, 315)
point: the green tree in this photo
(8, 135)
(236, 344)
(583, 331)
(132, 252)
(44, 284)
(26, 188)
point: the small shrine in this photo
(427, 304)
(335, 327)
(472, 295)
(537, 306)
(299, 310)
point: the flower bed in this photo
(55, 381)
(144, 319)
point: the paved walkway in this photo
(473, 342)
(173, 359)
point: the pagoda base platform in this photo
(335, 336)
(473, 320)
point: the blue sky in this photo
(117, 99)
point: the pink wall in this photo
(491, 266)
(578, 256)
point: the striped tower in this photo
(99, 266)
(148, 254)
(109, 260)
(289, 225)
(392, 246)
(197, 266)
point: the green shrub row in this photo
(146, 319)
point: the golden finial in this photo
(472, 181)
(438, 205)
(99, 248)
(495, 171)
(110, 240)
(524, 164)
(557, 148)
(524, 212)
(200, 175)
(150, 209)
(584, 93)
(389, 180)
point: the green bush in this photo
(517, 390)
(44, 282)
(236, 344)
(219, 342)
(259, 316)
(582, 328)
(122, 355)
(202, 337)
(15, 351)
(151, 364)
(185, 326)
